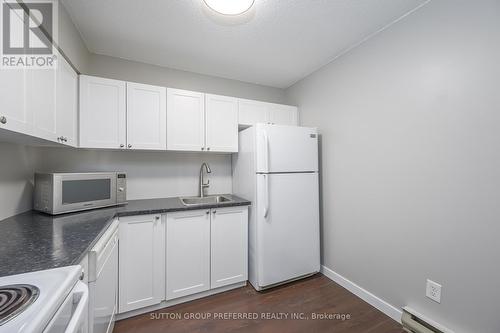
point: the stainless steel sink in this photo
(210, 199)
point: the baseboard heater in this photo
(414, 322)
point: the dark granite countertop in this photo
(158, 206)
(34, 241)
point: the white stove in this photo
(47, 301)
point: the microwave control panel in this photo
(121, 187)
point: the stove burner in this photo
(14, 299)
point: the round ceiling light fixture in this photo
(229, 7)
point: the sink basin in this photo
(210, 199)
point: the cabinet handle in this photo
(208, 212)
(65, 139)
(208, 148)
(129, 145)
(122, 145)
(202, 148)
(3, 120)
(214, 211)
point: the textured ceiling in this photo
(276, 43)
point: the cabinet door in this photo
(185, 120)
(13, 110)
(13, 101)
(252, 112)
(229, 246)
(146, 116)
(141, 262)
(221, 114)
(283, 114)
(41, 101)
(188, 253)
(67, 103)
(102, 113)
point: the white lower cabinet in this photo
(141, 262)
(229, 246)
(188, 253)
(206, 249)
(179, 254)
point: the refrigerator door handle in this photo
(266, 206)
(266, 143)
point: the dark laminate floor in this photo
(317, 294)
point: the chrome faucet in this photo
(204, 185)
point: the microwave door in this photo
(83, 191)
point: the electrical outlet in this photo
(433, 291)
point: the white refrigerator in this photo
(277, 169)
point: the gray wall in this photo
(410, 124)
(150, 174)
(16, 174)
(121, 69)
(71, 42)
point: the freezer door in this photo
(286, 148)
(287, 226)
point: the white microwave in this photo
(58, 193)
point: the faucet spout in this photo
(204, 185)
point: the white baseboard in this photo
(364, 294)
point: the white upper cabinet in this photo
(201, 122)
(67, 103)
(14, 115)
(221, 113)
(114, 114)
(283, 114)
(52, 100)
(188, 253)
(118, 114)
(102, 112)
(41, 102)
(185, 120)
(252, 112)
(229, 246)
(146, 117)
(141, 261)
